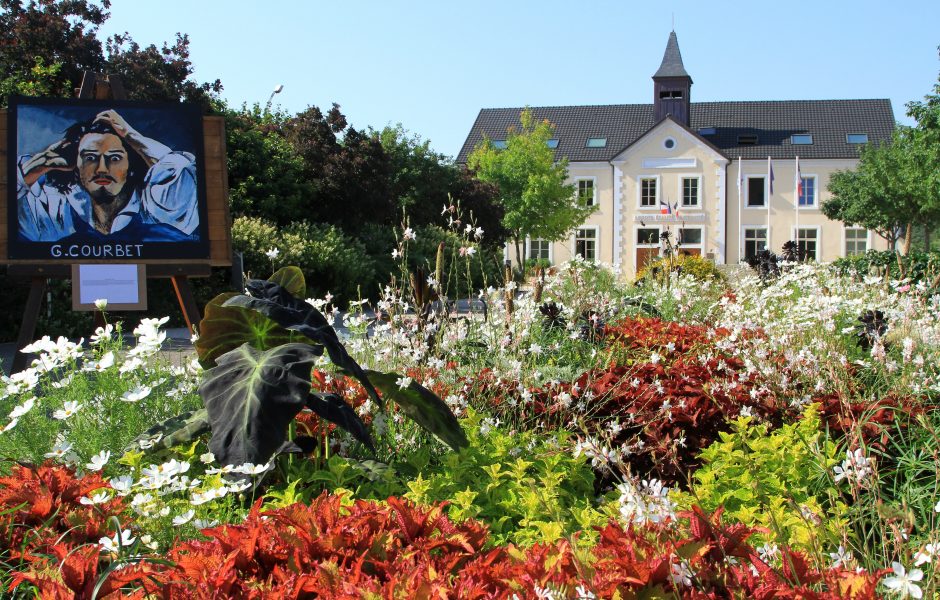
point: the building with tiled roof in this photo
(701, 170)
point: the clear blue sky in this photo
(431, 66)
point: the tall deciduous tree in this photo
(896, 185)
(537, 201)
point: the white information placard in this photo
(123, 286)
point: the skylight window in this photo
(856, 138)
(802, 139)
(553, 143)
(596, 143)
(747, 139)
(707, 131)
(499, 144)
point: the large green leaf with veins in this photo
(423, 407)
(252, 396)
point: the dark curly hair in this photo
(63, 180)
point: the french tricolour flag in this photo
(664, 208)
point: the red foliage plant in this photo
(396, 549)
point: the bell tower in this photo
(672, 85)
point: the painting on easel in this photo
(105, 180)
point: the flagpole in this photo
(770, 194)
(740, 234)
(796, 204)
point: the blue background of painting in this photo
(40, 126)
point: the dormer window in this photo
(747, 139)
(802, 139)
(671, 94)
(856, 138)
(553, 143)
(596, 143)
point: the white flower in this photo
(59, 450)
(207, 458)
(122, 485)
(130, 365)
(101, 304)
(209, 495)
(272, 253)
(117, 541)
(98, 461)
(478, 233)
(68, 409)
(137, 394)
(856, 467)
(253, 469)
(408, 234)
(106, 362)
(926, 555)
(904, 582)
(841, 557)
(238, 486)
(655, 358)
(403, 382)
(102, 334)
(681, 574)
(22, 409)
(99, 498)
(149, 542)
(184, 518)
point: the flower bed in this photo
(674, 439)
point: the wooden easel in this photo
(99, 87)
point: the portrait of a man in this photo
(98, 181)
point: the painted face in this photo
(102, 164)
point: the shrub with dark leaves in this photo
(872, 326)
(551, 316)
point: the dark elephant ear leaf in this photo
(224, 328)
(422, 406)
(302, 444)
(172, 432)
(332, 408)
(252, 396)
(291, 279)
(277, 304)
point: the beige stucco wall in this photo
(689, 157)
(721, 213)
(783, 215)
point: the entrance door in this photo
(647, 246)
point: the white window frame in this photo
(747, 191)
(681, 191)
(637, 227)
(743, 238)
(818, 238)
(815, 204)
(845, 239)
(577, 191)
(700, 246)
(639, 192)
(551, 248)
(597, 241)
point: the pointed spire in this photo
(672, 60)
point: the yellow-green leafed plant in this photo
(777, 481)
(528, 488)
(687, 264)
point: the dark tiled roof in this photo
(672, 60)
(828, 121)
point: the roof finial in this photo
(673, 22)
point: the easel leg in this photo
(30, 318)
(184, 294)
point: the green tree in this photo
(423, 182)
(532, 189)
(927, 115)
(892, 188)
